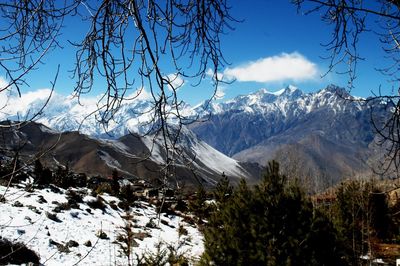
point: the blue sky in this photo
(272, 28)
(273, 47)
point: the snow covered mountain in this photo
(69, 114)
(261, 115)
(327, 135)
(329, 129)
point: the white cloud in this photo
(293, 66)
(175, 81)
(3, 83)
(27, 99)
(210, 73)
(31, 102)
(220, 93)
(4, 94)
(139, 94)
(12, 104)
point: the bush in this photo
(43, 176)
(165, 207)
(47, 176)
(81, 180)
(164, 255)
(104, 188)
(181, 206)
(101, 234)
(64, 178)
(127, 194)
(113, 205)
(74, 195)
(16, 253)
(151, 224)
(124, 205)
(6, 171)
(198, 205)
(98, 203)
(182, 231)
(53, 217)
(65, 206)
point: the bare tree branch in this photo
(349, 20)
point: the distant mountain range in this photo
(132, 155)
(327, 134)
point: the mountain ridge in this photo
(132, 155)
(329, 132)
(260, 126)
(67, 114)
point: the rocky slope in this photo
(131, 155)
(327, 133)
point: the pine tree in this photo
(326, 243)
(223, 189)
(198, 205)
(38, 168)
(38, 171)
(286, 219)
(267, 225)
(380, 214)
(227, 234)
(115, 181)
(362, 216)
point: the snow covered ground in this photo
(24, 217)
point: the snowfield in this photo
(25, 217)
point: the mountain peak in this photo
(291, 88)
(291, 91)
(342, 92)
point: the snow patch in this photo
(48, 130)
(217, 161)
(109, 160)
(153, 146)
(28, 224)
(278, 93)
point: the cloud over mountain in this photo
(283, 67)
